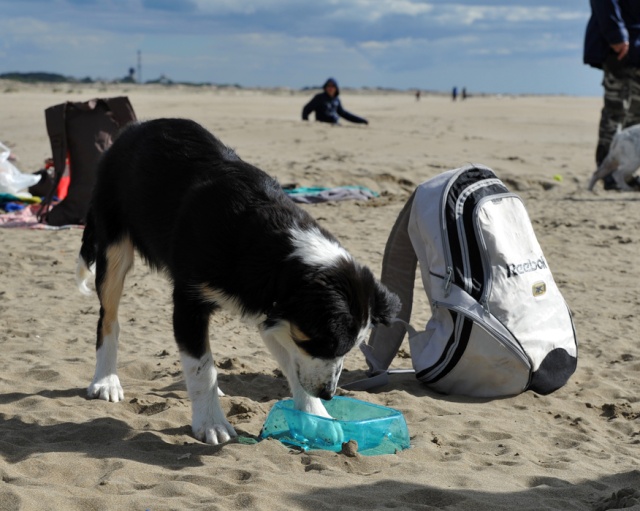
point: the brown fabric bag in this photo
(83, 130)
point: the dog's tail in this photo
(87, 257)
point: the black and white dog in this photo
(228, 238)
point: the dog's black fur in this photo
(192, 208)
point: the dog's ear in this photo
(386, 305)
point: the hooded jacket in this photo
(612, 22)
(328, 109)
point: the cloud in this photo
(172, 6)
(288, 42)
(373, 11)
(51, 36)
(459, 14)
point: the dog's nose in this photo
(326, 393)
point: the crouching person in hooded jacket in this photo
(327, 106)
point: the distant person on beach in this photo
(464, 93)
(612, 43)
(454, 93)
(327, 106)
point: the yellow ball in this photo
(557, 178)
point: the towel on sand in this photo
(312, 195)
(27, 218)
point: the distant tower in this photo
(139, 66)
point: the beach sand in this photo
(577, 448)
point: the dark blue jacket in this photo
(329, 109)
(612, 22)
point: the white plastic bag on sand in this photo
(11, 179)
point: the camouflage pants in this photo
(621, 105)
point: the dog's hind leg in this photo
(622, 173)
(112, 266)
(607, 167)
(191, 329)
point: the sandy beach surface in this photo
(577, 448)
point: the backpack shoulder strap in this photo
(55, 118)
(398, 274)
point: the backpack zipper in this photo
(447, 281)
(468, 192)
(445, 237)
(486, 263)
(443, 226)
(507, 342)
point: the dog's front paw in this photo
(313, 406)
(321, 431)
(212, 431)
(107, 388)
(319, 427)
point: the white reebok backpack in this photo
(499, 325)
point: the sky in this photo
(489, 46)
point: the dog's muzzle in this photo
(326, 393)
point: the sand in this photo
(578, 448)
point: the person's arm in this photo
(349, 116)
(309, 107)
(611, 25)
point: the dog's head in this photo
(328, 312)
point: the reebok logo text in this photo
(525, 267)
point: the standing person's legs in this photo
(633, 109)
(616, 92)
